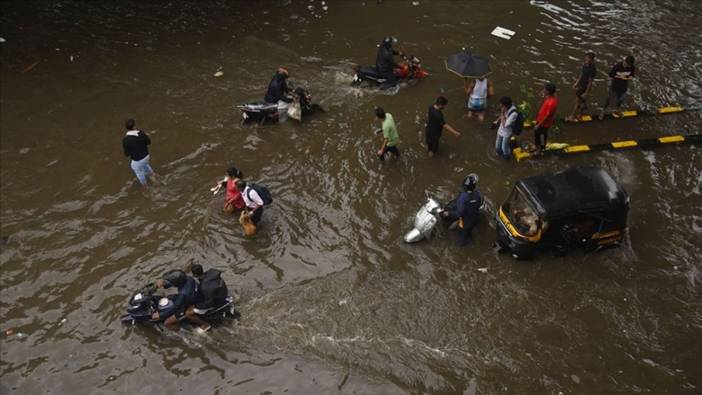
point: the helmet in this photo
(388, 40)
(470, 182)
(174, 278)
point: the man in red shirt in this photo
(546, 116)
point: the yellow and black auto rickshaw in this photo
(578, 207)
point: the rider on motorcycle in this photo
(385, 60)
(277, 92)
(467, 209)
(185, 297)
(212, 293)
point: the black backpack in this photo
(518, 125)
(212, 287)
(263, 192)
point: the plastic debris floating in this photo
(501, 32)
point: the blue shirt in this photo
(468, 207)
(184, 298)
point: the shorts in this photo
(433, 143)
(387, 149)
(142, 169)
(579, 94)
(476, 104)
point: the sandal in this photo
(201, 331)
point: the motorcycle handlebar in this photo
(149, 288)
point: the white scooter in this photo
(432, 213)
(426, 219)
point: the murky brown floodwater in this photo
(332, 301)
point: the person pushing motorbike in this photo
(467, 208)
(278, 90)
(385, 60)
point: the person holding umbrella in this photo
(477, 67)
(478, 91)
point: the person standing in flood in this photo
(509, 115)
(254, 201)
(277, 93)
(582, 86)
(436, 124)
(546, 117)
(233, 201)
(135, 144)
(478, 91)
(390, 136)
(621, 74)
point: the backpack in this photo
(262, 191)
(212, 287)
(518, 125)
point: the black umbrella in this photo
(468, 65)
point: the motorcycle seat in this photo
(370, 71)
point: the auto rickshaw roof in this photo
(584, 189)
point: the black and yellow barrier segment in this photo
(564, 149)
(628, 114)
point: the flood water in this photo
(332, 300)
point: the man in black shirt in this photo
(621, 73)
(278, 87)
(277, 93)
(582, 86)
(436, 124)
(135, 144)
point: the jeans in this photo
(502, 146)
(540, 137)
(142, 169)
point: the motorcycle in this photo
(144, 303)
(432, 213)
(426, 219)
(260, 112)
(410, 69)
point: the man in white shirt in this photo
(252, 199)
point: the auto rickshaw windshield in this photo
(521, 215)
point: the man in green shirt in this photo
(390, 136)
